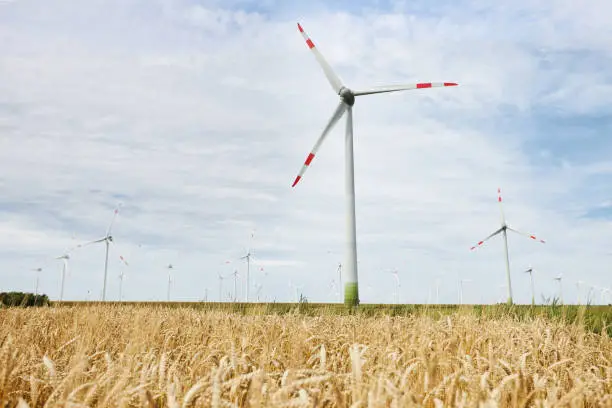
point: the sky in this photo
(195, 117)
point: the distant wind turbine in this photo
(559, 279)
(121, 276)
(397, 284)
(247, 257)
(107, 239)
(170, 268)
(64, 259)
(461, 282)
(236, 274)
(347, 100)
(503, 230)
(37, 270)
(530, 272)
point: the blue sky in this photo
(197, 115)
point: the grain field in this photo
(129, 356)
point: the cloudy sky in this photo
(197, 115)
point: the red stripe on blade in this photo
(450, 84)
(296, 181)
(310, 43)
(424, 85)
(532, 237)
(309, 159)
(300, 28)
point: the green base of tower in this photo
(351, 294)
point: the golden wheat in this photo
(122, 356)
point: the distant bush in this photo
(21, 299)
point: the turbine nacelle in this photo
(347, 96)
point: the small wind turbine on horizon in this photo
(559, 279)
(530, 272)
(38, 271)
(170, 268)
(347, 100)
(236, 274)
(397, 284)
(64, 259)
(107, 239)
(503, 230)
(121, 276)
(461, 282)
(248, 262)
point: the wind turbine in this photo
(503, 230)
(559, 279)
(169, 267)
(248, 262)
(64, 259)
(461, 282)
(397, 283)
(603, 291)
(297, 291)
(107, 239)
(236, 274)
(38, 271)
(339, 270)
(347, 100)
(220, 287)
(437, 290)
(530, 272)
(258, 288)
(121, 276)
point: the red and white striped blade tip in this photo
(296, 181)
(477, 245)
(537, 239)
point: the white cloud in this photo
(198, 119)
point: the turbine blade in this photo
(108, 231)
(124, 260)
(405, 87)
(342, 107)
(530, 236)
(501, 207)
(333, 79)
(486, 239)
(90, 242)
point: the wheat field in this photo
(123, 356)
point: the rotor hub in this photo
(347, 96)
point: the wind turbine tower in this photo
(347, 100)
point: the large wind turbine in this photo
(107, 239)
(503, 230)
(347, 100)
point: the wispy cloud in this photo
(197, 116)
